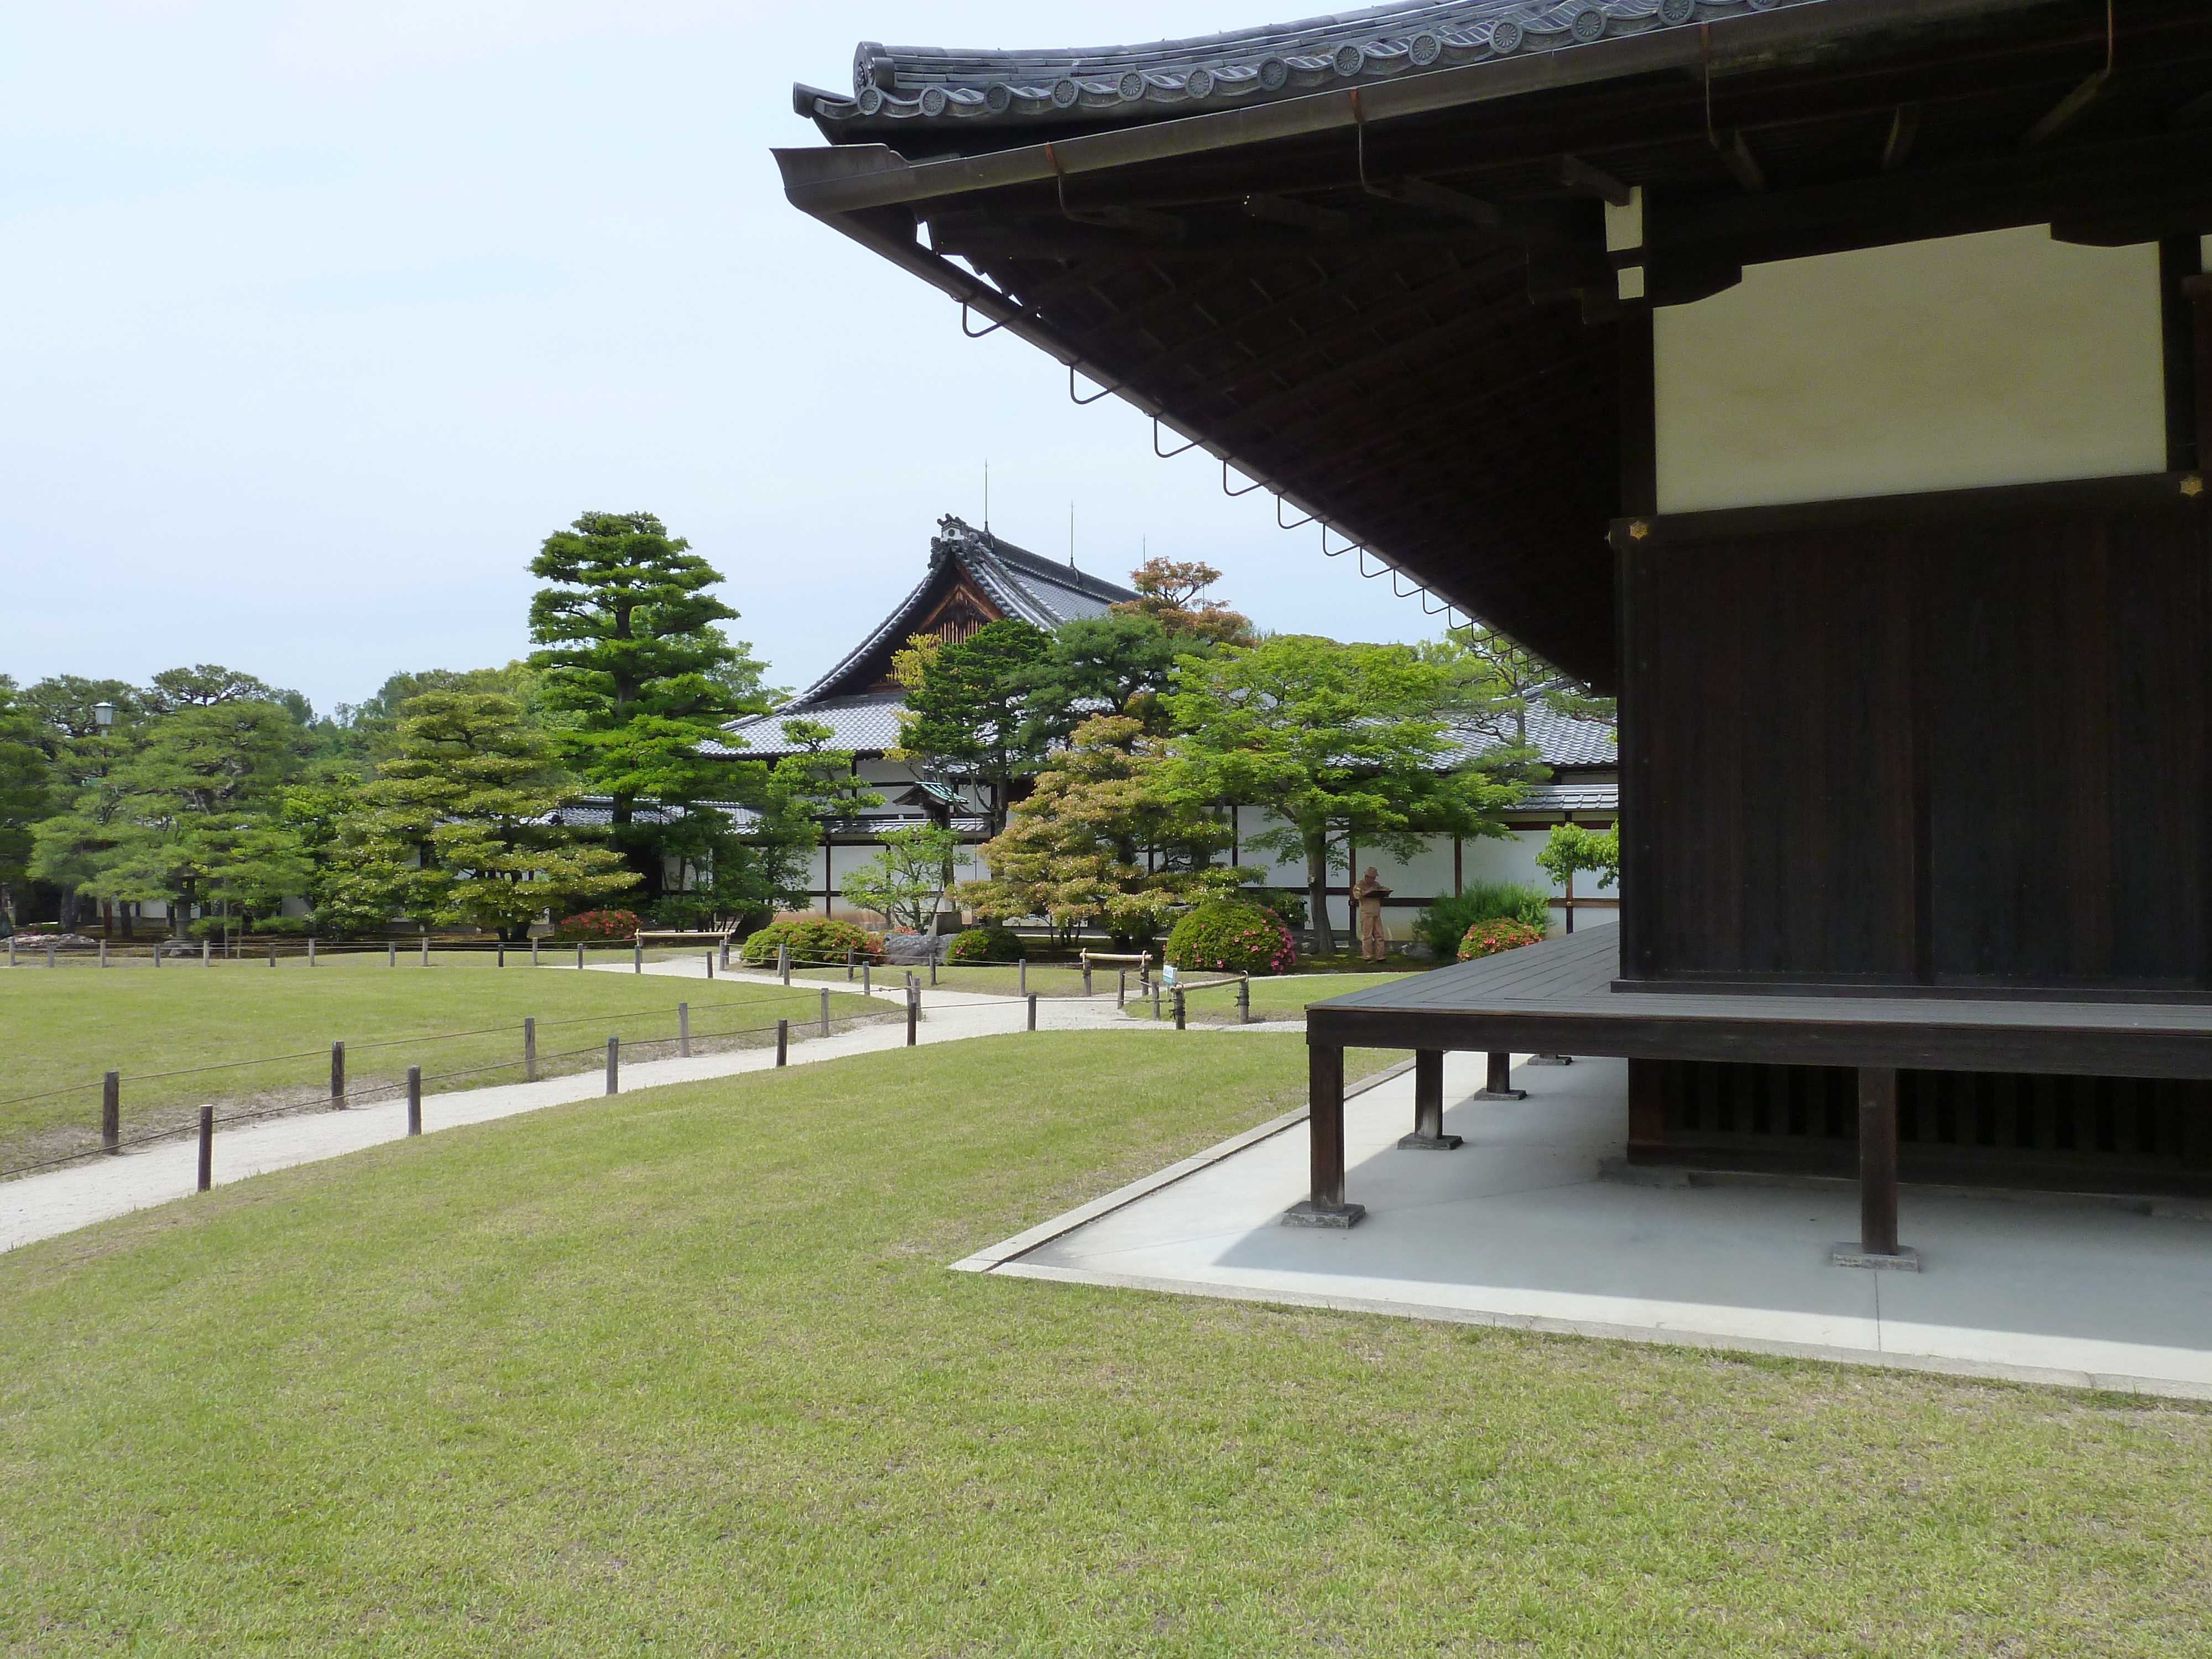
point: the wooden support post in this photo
(1429, 1135)
(579, 955)
(1121, 987)
(1178, 1009)
(1022, 977)
(337, 1077)
(533, 951)
(426, 949)
(414, 1100)
(783, 1043)
(207, 954)
(111, 1112)
(272, 954)
(50, 955)
(1086, 976)
(932, 971)
(848, 964)
(1647, 1107)
(1498, 1085)
(498, 961)
(103, 952)
(1032, 1010)
(1156, 999)
(867, 979)
(530, 1051)
(825, 1010)
(1325, 1206)
(391, 953)
(614, 1065)
(637, 956)
(913, 1012)
(710, 965)
(1244, 1001)
(207, 1149)
(684, 1031)
(311, 950)
(1877, 1245)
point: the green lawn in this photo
(61, 1030)
(1272, 998)
(683, 1372)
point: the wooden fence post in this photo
(1178, 1008)
(913, 1011)
(1033, 1011)
(533, 949)
(103, 953)
(1156, 999)
(782, 1042)
(867, 979)
(783, 962)
(710, 964)
(426, 949)
(1121, 987)
(614, 1065)
(1086, 976)
(579, 955)
(1244, 1001)
(825, 1010)
(500, 959)
(414, 1100)
(637, 955)
(311, 950)
(530, 1051)
(391, 953)
(684, 1031)
(111, 1112)
(848, 964)
(50, 955)
(207, 954)
(1022, 977)
(207, 1148)
(337, 1077)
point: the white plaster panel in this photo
(1957, 362)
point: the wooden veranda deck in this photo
(1560, 998)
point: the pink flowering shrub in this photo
(1487, 938)
(598, 924)
(1229, 937)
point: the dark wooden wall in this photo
(1955, 740)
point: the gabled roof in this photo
(1018, 582)
(1399, 272)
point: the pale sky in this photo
(319, 318)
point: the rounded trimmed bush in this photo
(975, 945)
(1231, 937)
(818, 943)
(598, 924)
(1487, 938)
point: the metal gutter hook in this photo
(1169, 454)
(1365, 571)
(1338, 553)
(1081, 402)
(977, 334)
(1300, 525)
(1233, 494)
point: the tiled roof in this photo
(1568, 798)
(937, 87)
(1559, 741)
(864, 723)
(597, 811)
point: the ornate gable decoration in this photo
(937, 87)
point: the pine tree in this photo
(463, 825)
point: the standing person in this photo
(1368, 894)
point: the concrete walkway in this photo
(1517, 1228)
(42, 1206)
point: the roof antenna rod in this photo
(987, 495)
(1070, 535)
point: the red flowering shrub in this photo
(598, 924)
(1231, 938)
(1487, 938)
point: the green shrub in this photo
(811, 942)
(1231, 937)
(1288, 904)
(1487, 938)
(986, 944)
(1444, 923)
(598, 924)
